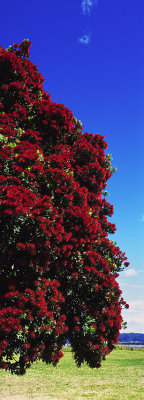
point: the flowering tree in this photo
(58, 267)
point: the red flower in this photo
(77, 319)
(102, 327)
(95, 346)
(48, 328)
(26, 345)
(58, 331)
(126, 264)
(32, 335)
(26, 359)
(75, 275)
(4, 344)
(77, 328)
(110, 322)
(21, 246)
(4, 87)
(8, 212)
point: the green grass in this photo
(121, 377)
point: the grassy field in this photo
(121, 377)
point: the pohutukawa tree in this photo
(58, 267)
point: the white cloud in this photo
(135, 286)
(142, 219)
(84, 39)
(134, 316)
(131, 272)
(139, 304)
(87, 5)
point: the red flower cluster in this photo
(58, 267)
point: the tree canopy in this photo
(58, 267)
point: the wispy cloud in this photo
(142, 219)
(132, 272)
(84, 39)
(134, 316)
(87, 6)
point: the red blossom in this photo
(26, 345)
(77, 328)
(76, 319)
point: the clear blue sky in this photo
(91, 54)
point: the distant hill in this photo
(131, 337)
(124, 338)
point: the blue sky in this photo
(92, 58)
